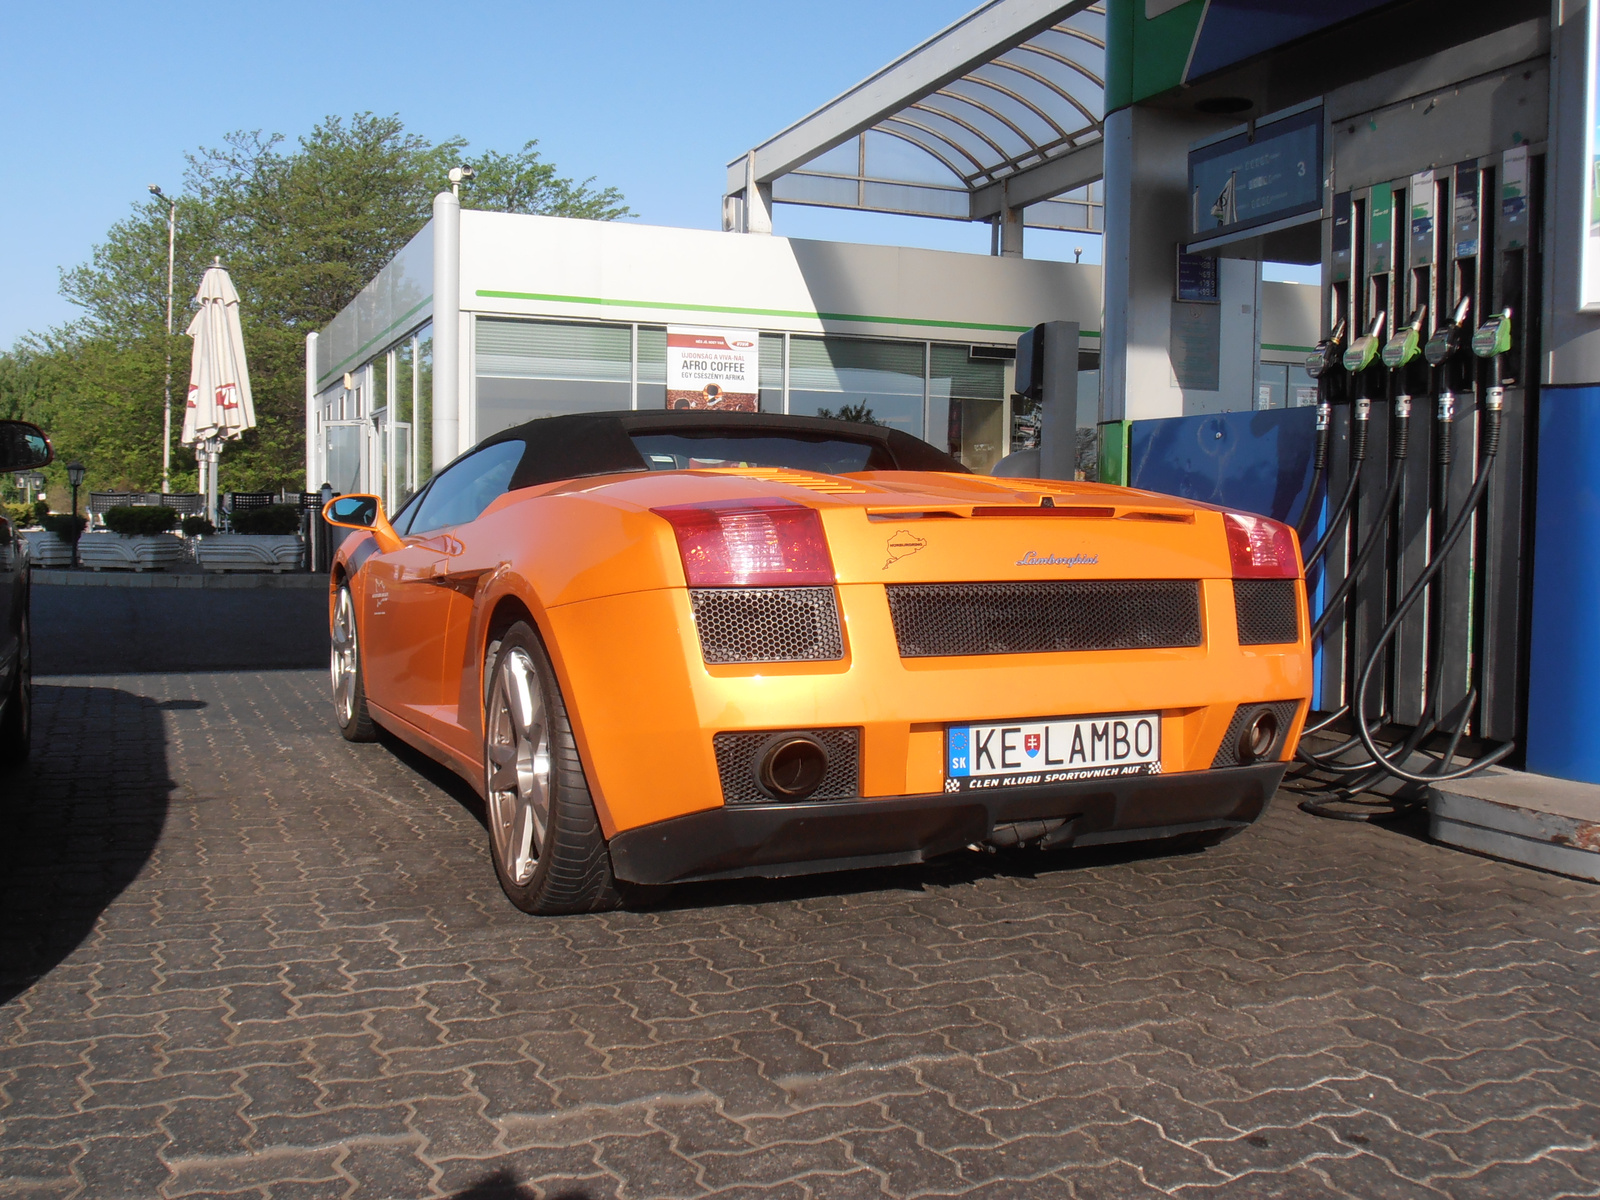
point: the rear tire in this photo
(344, 666)
(16, 729)
(545, 840)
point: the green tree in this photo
(301, 227)
(524, 183)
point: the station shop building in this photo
(485, 320)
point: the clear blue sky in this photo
(99, 100)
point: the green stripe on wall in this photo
(600, 301)
(1295, 349)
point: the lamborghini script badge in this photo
(901, 543)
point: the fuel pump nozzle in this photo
(1361, 355)
(1399, 352)
(1443, 348)
(1493, 342)
(1320, 365)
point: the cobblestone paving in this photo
(238, 956)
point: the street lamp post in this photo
(166, 411)
(75, 474)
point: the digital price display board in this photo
(1239, 184)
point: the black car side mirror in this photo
(23, 447)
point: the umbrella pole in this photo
(211, 479)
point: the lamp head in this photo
(155, 189)
(75, 473)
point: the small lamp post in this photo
(75, 474)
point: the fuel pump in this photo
(1492, 342)
(1399, 355)
(1421, 638)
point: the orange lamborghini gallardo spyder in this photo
(674, 646)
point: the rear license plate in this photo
(1020, 753)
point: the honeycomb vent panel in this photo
(947, 619)
(757, 625)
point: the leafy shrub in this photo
(141, 520)
(18, 514)
(197, 527)
(64, 525)
(274, 518)
(41, 509)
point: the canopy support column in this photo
(446, 329)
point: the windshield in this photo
(829, 454)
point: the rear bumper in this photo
(838, 835)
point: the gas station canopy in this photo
(1002, 110)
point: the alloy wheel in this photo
(344, 660)
(517, 751)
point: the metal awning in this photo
(1001, 111)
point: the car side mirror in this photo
(361, 511)
(23, 447)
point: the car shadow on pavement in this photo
(958, 869)
(950, 870)
(80, 821)
(436, 773)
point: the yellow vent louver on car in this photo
(827, 484)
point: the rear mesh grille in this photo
(1228, 753)
(938, 619)
(1265, 609)
(755, 625)
(736, 754)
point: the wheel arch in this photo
(512, 599)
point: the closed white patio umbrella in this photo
(219, 408)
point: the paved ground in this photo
(243, 957)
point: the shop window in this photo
(772, 372)
(422, 393)
(342, 449)
(652, 367)
(531, 369)
(858, 378)
(1302, 388)
(1284, 385)
(969, 395)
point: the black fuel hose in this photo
(1319, 467)
(1358, 456)
(1402, 438)
(1458, 527)
(1383, 764)
(1400, 443)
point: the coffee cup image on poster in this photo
(713, 368)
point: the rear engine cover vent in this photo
(736, 764)
(1266, 611)
(757, 625)
(947, 619)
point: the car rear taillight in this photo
(750, 543)
(1261, 548)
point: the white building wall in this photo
(612, 271)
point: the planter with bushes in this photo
(51, 544)
(263, 539)
(137, 538)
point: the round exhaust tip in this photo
(1259, 736)
(792, 766)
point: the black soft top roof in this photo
(601, 443)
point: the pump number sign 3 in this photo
(1031, 752)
